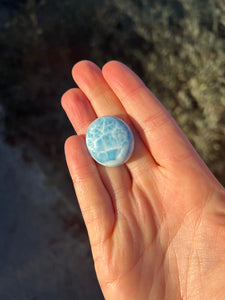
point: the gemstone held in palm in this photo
(110, 141)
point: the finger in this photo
(89, 78)
(95, 203)
(158, 129)
(78, 110)
(81, 114)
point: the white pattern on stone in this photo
(110, 141)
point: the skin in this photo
(156, 224)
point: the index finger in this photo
(158, 129)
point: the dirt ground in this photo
(40, 258)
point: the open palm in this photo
(156, 224)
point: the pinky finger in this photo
(94, 200)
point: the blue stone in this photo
(110, 141)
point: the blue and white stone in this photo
(110, 141)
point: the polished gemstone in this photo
(109, 141)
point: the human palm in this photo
(156, 224)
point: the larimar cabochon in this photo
(110, 141)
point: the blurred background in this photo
(176, 46)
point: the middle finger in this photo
(90, 80)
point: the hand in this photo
(156, 224)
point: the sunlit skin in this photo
(156, 224)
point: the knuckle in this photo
(157, 120)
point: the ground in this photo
(40, 258)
